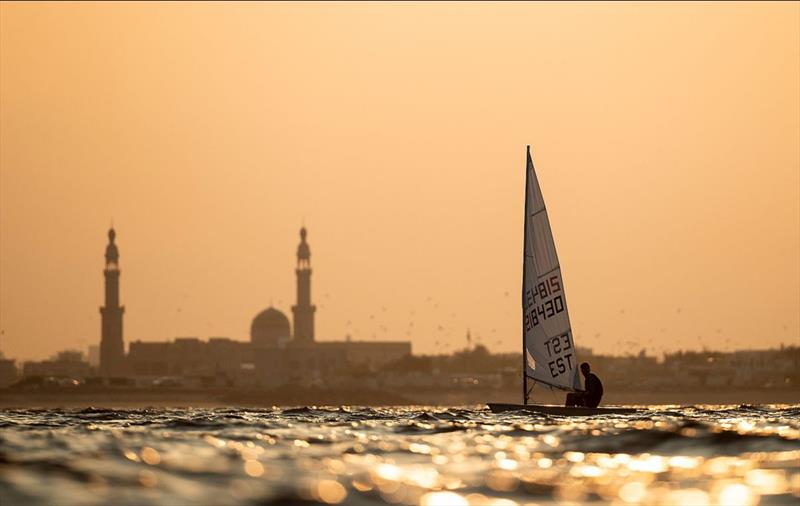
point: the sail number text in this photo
(556, 345)
(545, 309)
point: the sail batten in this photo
(549, 349)
(545, 383)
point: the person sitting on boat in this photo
(592, 392)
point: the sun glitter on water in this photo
(710, 455)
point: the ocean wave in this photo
(395, 455)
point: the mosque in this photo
(274, 355)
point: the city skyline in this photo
(671, 171)
(113, 309)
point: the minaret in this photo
(303, 311)
(112, 349)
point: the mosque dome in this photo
(268, 327)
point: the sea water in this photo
(412, 455)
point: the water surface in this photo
(412, 455)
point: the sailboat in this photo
(548, 346)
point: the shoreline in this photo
(296, 396)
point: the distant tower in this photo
(303, 311)
(112, 349)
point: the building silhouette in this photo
(303, 311)
(65, 364)
(112, 347)
(274, 356)
(306, 360)
(270, 328)
(8, 371)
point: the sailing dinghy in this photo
(548, 348)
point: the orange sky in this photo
(666, 138)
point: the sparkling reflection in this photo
(699, 455)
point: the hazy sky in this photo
(666, 137)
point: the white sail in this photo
(549, 348)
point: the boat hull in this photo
(550, 409)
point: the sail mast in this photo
(524, 265)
